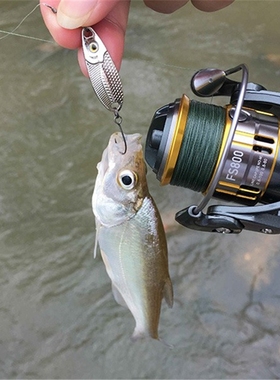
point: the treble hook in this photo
(118, 121)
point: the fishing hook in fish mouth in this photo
(118, 121)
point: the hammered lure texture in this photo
(102, 71)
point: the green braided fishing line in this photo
(200, 146)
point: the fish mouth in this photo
(116, 145)
(133, 142)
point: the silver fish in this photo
(130, 234)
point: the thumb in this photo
(72, 14)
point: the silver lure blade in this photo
(103, 73)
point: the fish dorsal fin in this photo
(168, 292)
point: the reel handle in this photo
(233, 219)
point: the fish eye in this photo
(127, 179)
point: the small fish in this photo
(130, 234)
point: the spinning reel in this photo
(230, 152)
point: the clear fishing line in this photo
(12, 32)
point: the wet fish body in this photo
(130, 234)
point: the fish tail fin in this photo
(170, 346)
(140, 332)
(168, 292)
(141, 335)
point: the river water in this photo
(58, 318)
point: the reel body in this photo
(230, 152)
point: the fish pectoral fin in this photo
(118, 297)
(96, 238)
(168, 292)
(95, 248)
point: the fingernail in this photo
(72, 14)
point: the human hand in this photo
(109, 18)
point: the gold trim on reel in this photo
(252, 156)
(175, 138)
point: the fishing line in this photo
(155, 63)
(12, 33)
(25, 36)
(200, 146)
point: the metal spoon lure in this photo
(103, 74)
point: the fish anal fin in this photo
(168, 292)
(118, 297)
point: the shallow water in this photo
(58, 318)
